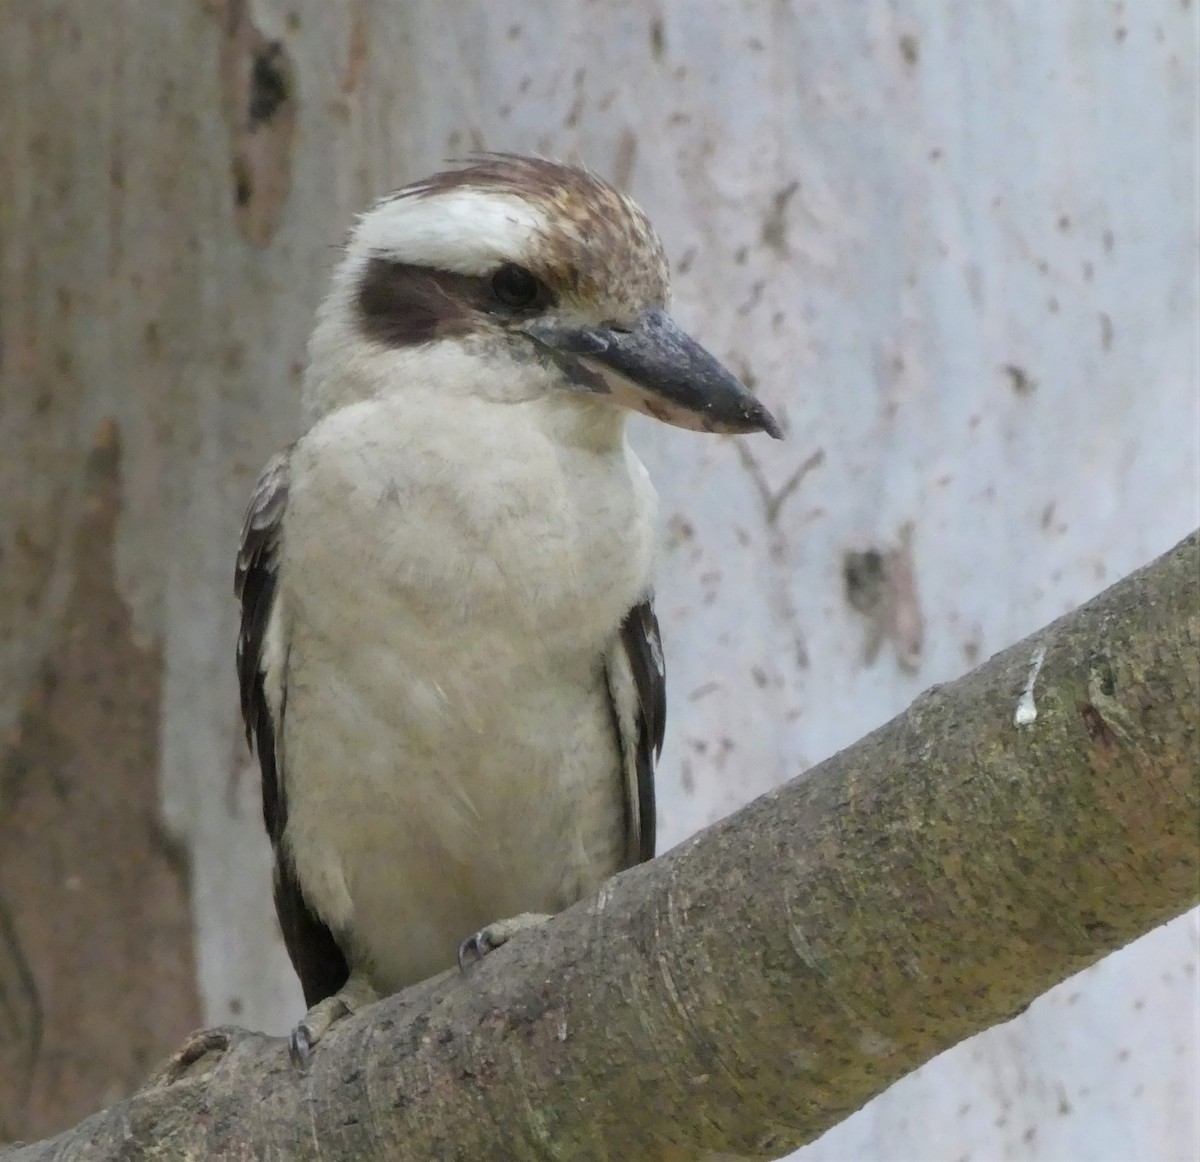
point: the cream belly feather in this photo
(450, 635)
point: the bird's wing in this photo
(262, 677)
(637, 689)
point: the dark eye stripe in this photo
(400, 304)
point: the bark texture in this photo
(97, 979)
(749, 989)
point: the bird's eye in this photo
(515, 287)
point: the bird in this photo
(449, 663)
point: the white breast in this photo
(451, 584)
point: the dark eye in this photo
(515, 287)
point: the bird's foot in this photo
(198, 1045)
(488, 939)
(355, 994)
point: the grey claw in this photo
(300, 1047)
(473, 949)
(496, 935)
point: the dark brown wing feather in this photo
(642, 645)
(318, 960)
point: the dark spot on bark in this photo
(1021, 381)
(1106, 331)
(1064, 223)
(774, 227)
(243, 188)
(1097, 729)
(269, 86)
(658, 42)
(679, 531)
(258, 102)
(233, 356)
(626, 158)
(910, 49)
(864, 575)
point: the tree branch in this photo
(760, 982)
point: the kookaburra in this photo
(449, 662)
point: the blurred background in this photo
(954, 247)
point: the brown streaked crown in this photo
(597, 246)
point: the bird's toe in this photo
(354, 995)
(488, 939)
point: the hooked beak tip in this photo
(769, 424)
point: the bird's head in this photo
(517, 279)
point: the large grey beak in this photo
(656, 368)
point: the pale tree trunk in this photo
(951, 247)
